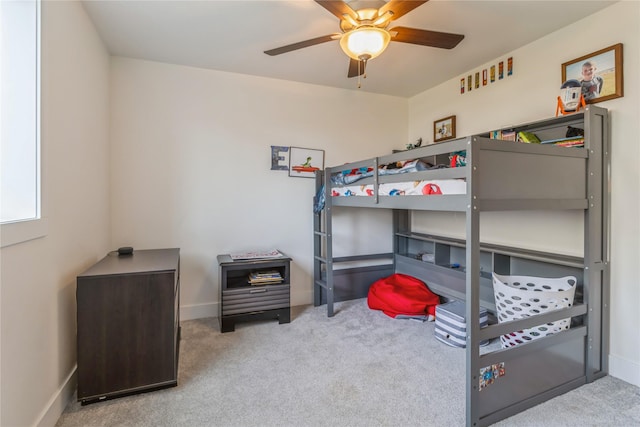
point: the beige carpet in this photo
(359, 368)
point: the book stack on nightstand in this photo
(269, 277)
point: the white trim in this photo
(39, 109)
(301, 297)
(198, 311)
(624, 369)
(12, 233)
(59, 401)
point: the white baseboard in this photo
(626, 370)
(58, 402)
(301, 297)
(198, 311)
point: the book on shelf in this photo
(505, 135)
(574, 141)
(508, 135)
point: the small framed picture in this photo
(599, 74)
(304, 162)
(444, 129)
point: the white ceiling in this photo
(232, 35)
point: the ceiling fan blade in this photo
(400, 7)
(425, 37)
(300, 45)
(354, 71)
(338, 8)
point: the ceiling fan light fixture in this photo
(365, 43)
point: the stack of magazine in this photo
(249, 255)
(264, 277)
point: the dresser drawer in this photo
(257, 298)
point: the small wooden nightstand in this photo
(242, 301)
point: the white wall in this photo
(178, 134)
(529, 95)
(38, 277)
(190, 164)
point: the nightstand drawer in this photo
(255, 298)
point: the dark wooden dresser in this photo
(128, 324)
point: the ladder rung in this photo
(321, 259)
(320, 233)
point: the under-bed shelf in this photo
(545, 257)
(440, 262)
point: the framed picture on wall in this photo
(304, 162)
(444, 129)
(599, 74)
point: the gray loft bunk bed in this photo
(499, 176)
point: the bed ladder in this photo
(322, 247)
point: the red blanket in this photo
(402, 294)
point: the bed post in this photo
(472, 287)
(401, 224)
(596, 243)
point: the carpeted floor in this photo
(359, 368)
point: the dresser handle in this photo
(258, 291)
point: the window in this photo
(19, 118)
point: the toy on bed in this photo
(458, 159)
(350, 176)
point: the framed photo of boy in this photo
(444, 129)
(599, 74)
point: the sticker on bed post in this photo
(279, 161)
(490, 374)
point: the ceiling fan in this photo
(365, 33)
